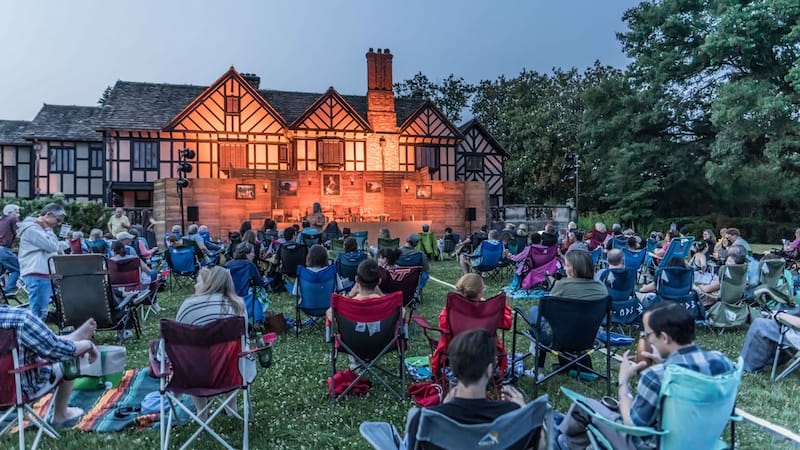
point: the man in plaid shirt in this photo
(35, 342)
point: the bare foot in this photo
(85, 331)
(71, 413)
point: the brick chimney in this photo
(380, 97)
(253, 79)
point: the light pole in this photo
(573, 162)
(183, 169)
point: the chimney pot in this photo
(370, 50)
(253, 79)
(386, 50)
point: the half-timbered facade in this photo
(376, 143)
(16, 159)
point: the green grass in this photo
(292, 411)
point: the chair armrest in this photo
(632, 430)
(419, 320)
(28, 367)
(267, 339)
(522, 314)
(127, 297)
(155, 364)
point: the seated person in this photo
(647, 293)
(140, 245)
(468, 260)
(579, 243)
(127, 239)
(709, 293)
(615, 259)
(366, 286)
(549, 235)
(470, 243)
(763, 336)
(579, 284)
(660, 252)
(36, 342)
(409, 250)
(96, 242)
(316, 260)
(193, 234)
(791, 249)
(669, 329)
(215, 298)
(212, 246)
(703, 273)
(735, 238)
(473, 356)
(244, 273)
(118, 254)
(307, 230)
(597, 236)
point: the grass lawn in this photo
(292, 411)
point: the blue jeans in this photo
(40, 291)
(759, 346)
(9, 261)
(544, 336)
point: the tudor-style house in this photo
(359, 156)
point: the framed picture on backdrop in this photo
(373, 187)
(331, 184)
(287, 187)
(424, 191)
(245, 192)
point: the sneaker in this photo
(529, 373)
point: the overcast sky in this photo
(67, 52)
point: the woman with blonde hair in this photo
(215, 298)
(471, 287)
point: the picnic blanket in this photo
(109, 410)
(524, 294)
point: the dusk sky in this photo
(61, 52)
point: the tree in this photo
(451, 96)
(104, 98)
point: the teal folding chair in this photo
(689, 400)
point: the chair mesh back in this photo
(315, 289)
(8, 389)
(309, 239)
(82, 289)
(633, 258)
(733, 281)
(360, 237)
(388, 243)
(574, 322)
(403, 279)
(772, 271)
(292, 255)
(620, 283)
(124, 273)
(411, 259)
(367, 326)
(678, 248)
(205, 359)
(464, 315)
(450, 242)
(541, 255)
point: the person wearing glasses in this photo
(37, 243)
(669, 329)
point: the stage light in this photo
(406, 188)
(266, 188)
(182, 183)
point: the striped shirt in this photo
(204, 309)
(35, 342)
(644, 411)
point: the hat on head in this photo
(572, 226)
(413, 238)
(616, 228)
(124, 235)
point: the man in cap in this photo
(37, 243)
(412, 256)
(127, 239)
(8, 260)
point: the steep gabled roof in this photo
(475, 124)
(65, 122)
(325, 105)
(427, 120)
(146, 106)
(12, 132)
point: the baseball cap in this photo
(124, 235)
(413, 238)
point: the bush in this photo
(81, 215)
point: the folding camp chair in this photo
(82, 290)
(449, 243)
(688, 400)
(203, 361)
(99, 246)
(489, 259)
(182, 265)
(388, 243)
(347, 265)
(492, 315)
(597, 257)
(730, 310)
(776, 288)
(367, 330)
(675, 284)
(428, 245)
(794, 362)
(518, 429)
(634, 259)
(308, 239)
(14, 404)
(626, 309)
(314, 291)
(361, 238)
(574, 324)
(535, 264)
(125, 276)
(403, 279)
(292, 255)
(678, 248)
(337, 248)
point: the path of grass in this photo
(292, 411)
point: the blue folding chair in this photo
(688, 400)
(182, 265)
(415, 260)
(675, 284)
(625, 307)
(489, 259)
(361, 238)
(314, 289)
(597, 256)
(678, 248)
(347, 265)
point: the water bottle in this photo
(265, 356)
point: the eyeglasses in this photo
(646, 334)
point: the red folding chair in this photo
(12, 399)
(202, 361)
(367, 330)
(492, 315)
(403, 279)
(125, 275)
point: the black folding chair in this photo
(575, 324)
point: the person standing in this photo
(37, 243)
(8, 260)
(119, 222)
